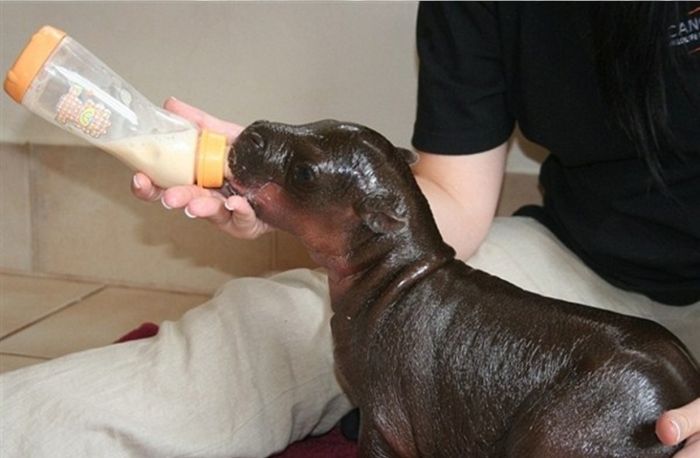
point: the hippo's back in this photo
(504, 372)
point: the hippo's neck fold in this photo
(383, 280)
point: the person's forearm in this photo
(463, 193)
(461, 231)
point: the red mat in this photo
(331, 445)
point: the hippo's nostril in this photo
(257, 140)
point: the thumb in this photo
(676, 425)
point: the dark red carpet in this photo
(331, 445)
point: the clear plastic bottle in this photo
(61, 81)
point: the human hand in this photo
(681, 424)
(232, 214)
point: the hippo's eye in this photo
(303, 174)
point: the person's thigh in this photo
(242, 375)
(525, 253)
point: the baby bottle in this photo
(61, 81)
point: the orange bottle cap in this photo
(211, 159)
(30, 61)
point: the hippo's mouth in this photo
(232, 189)
(249, 192)
(235, 188)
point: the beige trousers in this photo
(251, 370)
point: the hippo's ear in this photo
(409, 155)
(379, 213)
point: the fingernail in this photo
(189, 215)
(228, 205)
(162, 201)
(677, 432)
(137, 185)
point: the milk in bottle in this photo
(61, 81)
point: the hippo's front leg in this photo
(371, 444)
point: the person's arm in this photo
(681, 424)
(233, 214)
(463, 192)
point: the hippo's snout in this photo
(250, 161)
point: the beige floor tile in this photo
(98, 320)
(24, 300)
(15, 207)
(11, 362)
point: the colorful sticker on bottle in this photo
(90, 117)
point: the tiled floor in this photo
(44, 317)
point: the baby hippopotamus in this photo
(444, 360)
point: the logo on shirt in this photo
(687, 32)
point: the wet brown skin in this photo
(444, 360)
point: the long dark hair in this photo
(633, 61)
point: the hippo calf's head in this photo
(331, 183)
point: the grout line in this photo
(10, 353)
(155, 289)
(4, 271)
(96, 281)
(59, 309)
(31, 178)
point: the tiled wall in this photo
(69, 211)
(15, 218)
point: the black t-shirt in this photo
(484, 67)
